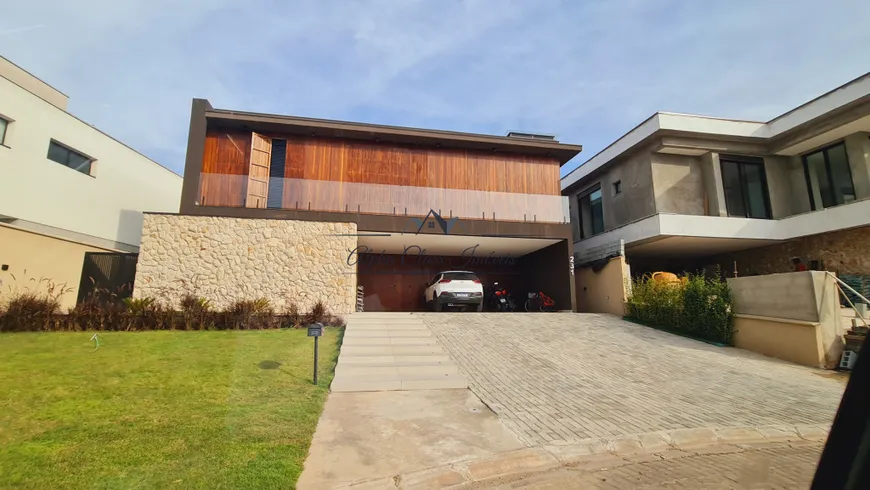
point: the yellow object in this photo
(665, 277)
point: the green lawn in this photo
(159, 409)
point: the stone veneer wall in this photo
(228, 259)
(844, 252)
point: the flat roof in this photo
(393, 134)
(843, 95)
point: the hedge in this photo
(34, 312)
(695, 306)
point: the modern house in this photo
(67, 189)
(300, 210)
(684, 193)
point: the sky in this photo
(586, 71)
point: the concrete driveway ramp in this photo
(392, 352)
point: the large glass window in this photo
(591, 213)
(829, 178)
(745, 186)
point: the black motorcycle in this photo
(500, 299)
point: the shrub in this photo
(695, 306)
(96, 313)
(317, 314)
(335, 321)
(147, 314)
(196, 313)
(249, 315)
(106, 311)
(291, 315)
(29, 311)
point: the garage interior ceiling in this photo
(452, 245)
(682, 246)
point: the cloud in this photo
(586, 71)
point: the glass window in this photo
(755, 191)
(733, 189)
(69, 158)
(3, 124)
(597, 212)
(841, 175)
(829, 179)
(745, 186)
(591, 213)
(460, 276)
(817, 177)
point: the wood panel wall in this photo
(349, 161)
(225, 168)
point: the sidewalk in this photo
(767, 457)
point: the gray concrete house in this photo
(684, 192)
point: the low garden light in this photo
(315, 330)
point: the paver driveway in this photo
(563, 377)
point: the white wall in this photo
(827, 220)
(108, 204)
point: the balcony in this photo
(335, 196)
(667, 234)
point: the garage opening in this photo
(395, 269)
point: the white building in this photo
(66, 188)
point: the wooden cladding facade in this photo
(258, 175)
(228, 153)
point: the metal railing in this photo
(840, 284)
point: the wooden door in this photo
(258, 171)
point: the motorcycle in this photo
(500, 299)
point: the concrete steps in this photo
(391, 352)
(418, 360)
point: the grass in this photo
(159, 409)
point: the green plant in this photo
(29, 311)
(249, 315)
(317, 314)
(139, 306)
(147, 314)
(95, 313)
(696, 306)
(291, 314)
(196, 313)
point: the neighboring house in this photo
(66, 188)
(685, 193)
(298, 210)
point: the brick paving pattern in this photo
(776, 467)
(560, 378)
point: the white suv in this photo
(454, 288)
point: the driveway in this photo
(561, 378)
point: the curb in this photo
(598, 454)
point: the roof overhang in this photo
(272, 123)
